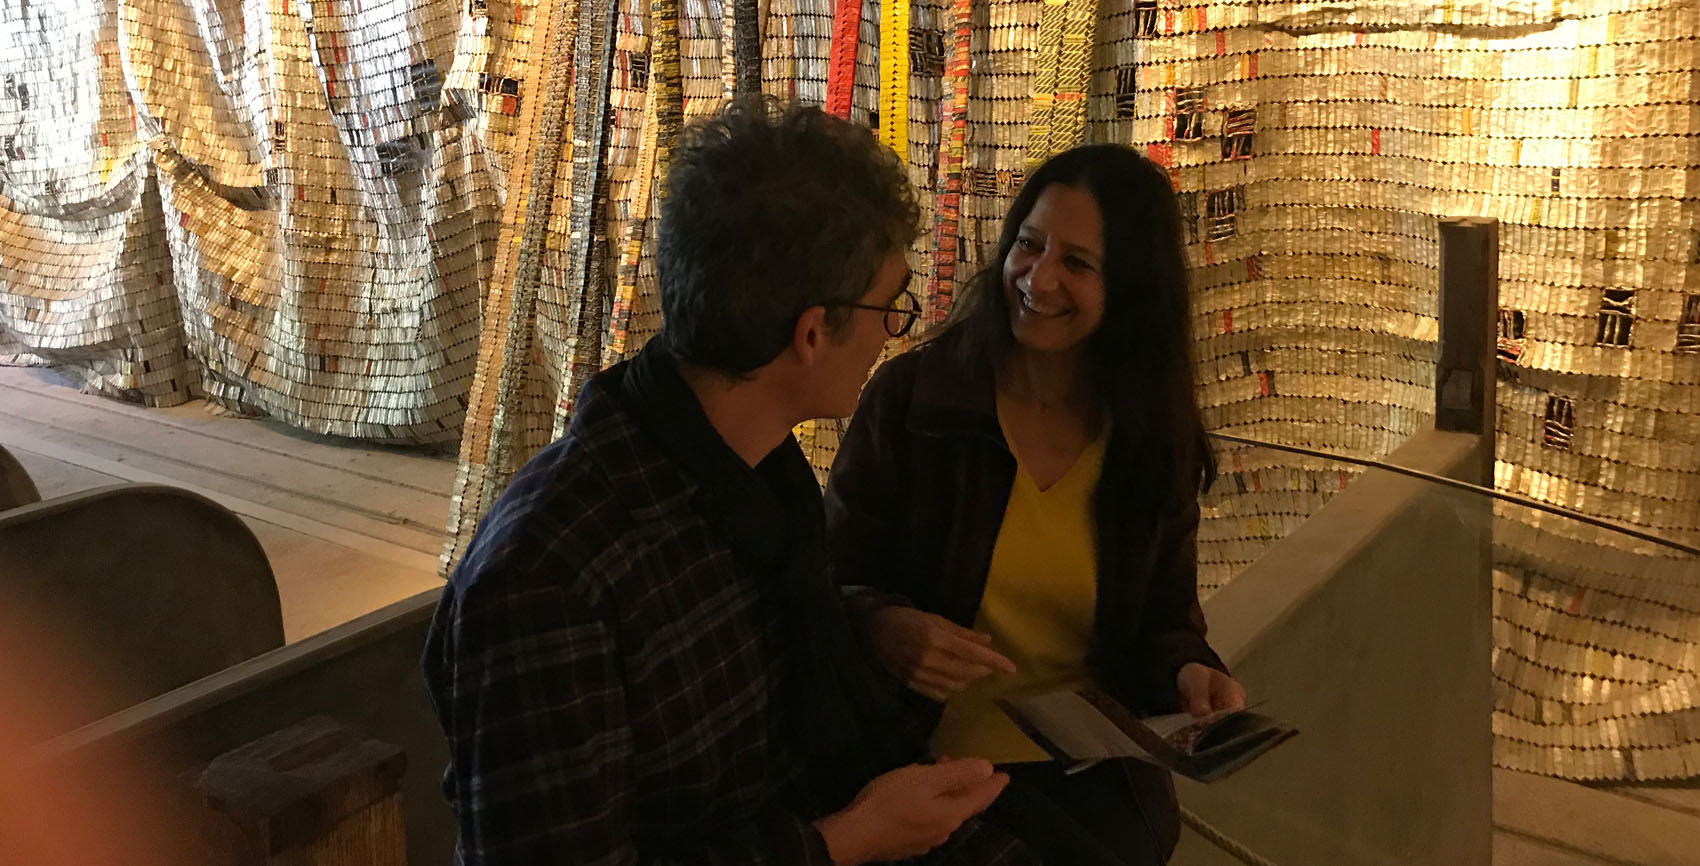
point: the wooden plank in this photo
(146, 452)
(246, 450)
(322, 585)
(347, 529)
(57, 477)
(400, 555)
(428, 469)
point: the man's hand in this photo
(929, 653)
(1205, 690)
(910, 811)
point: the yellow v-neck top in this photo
(1037, 608)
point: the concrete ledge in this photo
(1369, 628)
(1275, 588)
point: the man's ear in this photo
(809, 335)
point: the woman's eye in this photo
(1027, 243)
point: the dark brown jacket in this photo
(916, 499)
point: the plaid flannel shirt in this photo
(602, 672)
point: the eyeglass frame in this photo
(913, 313)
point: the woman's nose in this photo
(1042, 276)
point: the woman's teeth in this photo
(1037, 308)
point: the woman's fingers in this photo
(1195, 688)
(980, 655)
(934, 687)
(951, 668)
(966, 634)
(1230, 695)
(934, 656)
(949, 681)
(967, 645)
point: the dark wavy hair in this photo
(1141, 357)
(771, 209)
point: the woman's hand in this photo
(1205, 690)
(929, 653)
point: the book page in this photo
(1088, 725)
(1074, 726)
(1166, 726)
(1182, 730)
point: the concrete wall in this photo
(1370, 629)
(364, 673)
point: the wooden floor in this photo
(349, 527)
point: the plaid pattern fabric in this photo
(602, 671)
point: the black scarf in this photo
(832, 706)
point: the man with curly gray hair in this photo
(641, 659)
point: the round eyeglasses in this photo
(899, 317)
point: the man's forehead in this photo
(903, 283)
(880, 294)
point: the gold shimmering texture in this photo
(1314, 303)
(797, 37)
(586, 264)
(283, 212)
(94, 288)
(929, 32)
(700, 56)
(631, 219)
(1045, 77)
(1067, 34)
(728, 46)
(953, 123)
(520, 345)
(1002, 62)
(582, 215)
(865, 97)
(1074, 63)
(662, 121)
(493, 55)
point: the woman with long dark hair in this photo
(1015, 505)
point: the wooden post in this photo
(1465, 377)
(312, 794)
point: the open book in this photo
(1088, 725)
